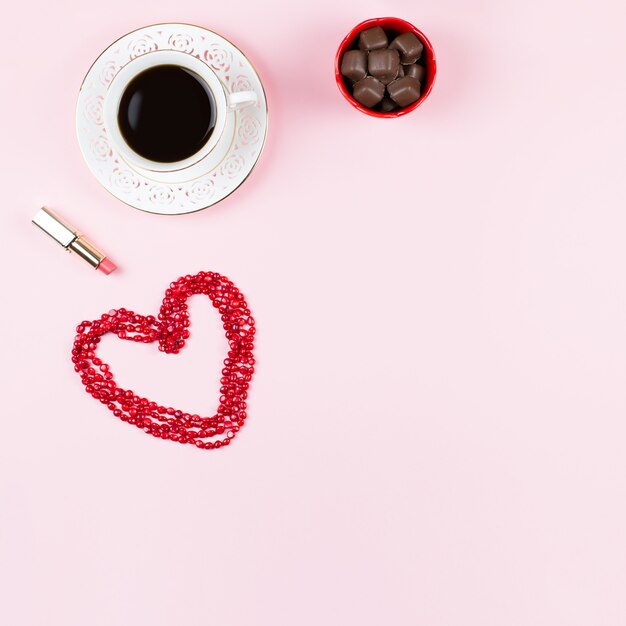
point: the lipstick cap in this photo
(54, 226)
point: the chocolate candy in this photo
(369, 91)
(415, 70)
(409, 46)
(384, 76)
(386, 105)
(384, 64)
(404, 91)
(354, 64)
(373, 39)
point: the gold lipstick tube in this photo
(72, 240)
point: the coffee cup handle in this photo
(241, 99)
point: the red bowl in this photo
(394, 26)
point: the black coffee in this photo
(167, 113)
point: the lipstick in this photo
(72, 240)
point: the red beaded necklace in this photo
(170, 328)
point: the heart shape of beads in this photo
(170, 328)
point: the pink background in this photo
(437, 431)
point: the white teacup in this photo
(225, 104)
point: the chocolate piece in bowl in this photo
(369, 91)
(404, 91)
(384, 64)
(373, 39)
(387, 105)
(415, 70)
(409, 47)
(354, 64)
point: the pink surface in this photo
(437, 431)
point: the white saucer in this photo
(189, 189)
